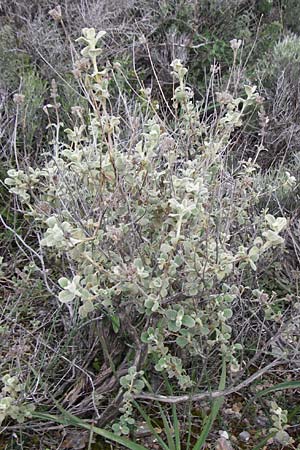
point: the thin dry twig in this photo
(173, 399)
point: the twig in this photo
(208, 395)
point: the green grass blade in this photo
(168, 430)
(150, 426)
(294, 412)
(189, 431)
(176, 424)
(264, 441)
(176, 428)
(73, 420)
(208, 424)
(214, 412)
(278, 387)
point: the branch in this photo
(208, 395)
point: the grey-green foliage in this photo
(149, 231)
(280, 424)
(279, 73)
(34, 89)
(291, 12)
(11, 401)
(282, 60)
(10, 60)
(132, 384)
(68, 96)
(19, 75)
(286, 53)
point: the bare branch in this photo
(208, 395)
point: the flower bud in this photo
(55, 13)
(18, 99)
(235, 44)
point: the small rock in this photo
(142, 430)
(76, 440)
(244, 436)
(223, 444)
(262, 421)
(223, 434)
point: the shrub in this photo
(279, 75)
(9, 78)
(19, 123)
(291, 11)
(151, 234)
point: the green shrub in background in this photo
(291, 10)
(198, 33)
(278, 72)
(284, 57)
(11, 62)
(152, 234)
(18, 74)
(31, 119)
